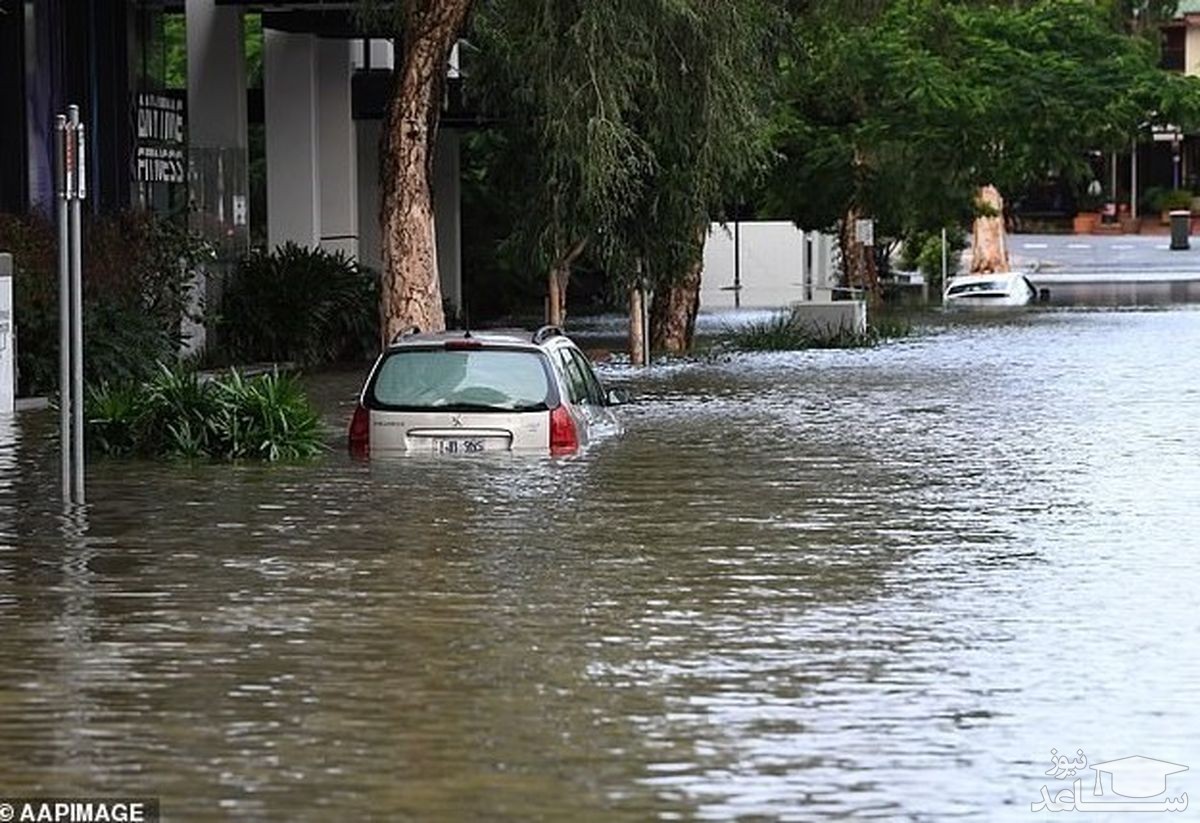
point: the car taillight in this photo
(564, 439)
(360, 431)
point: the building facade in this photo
(225, 113)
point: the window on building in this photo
(1174, 50)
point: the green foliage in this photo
(922, 251)
(630, 123)
(905, 113)
(780, 332)
(1175, 200)
(298, 305)
(177, 414)
(1156, 200)
(175, 51)
(137, 273)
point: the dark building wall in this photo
(112, 55)
(57, 52)
(13, 189)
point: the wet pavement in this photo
(871, 584)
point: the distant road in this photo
(1081, 254)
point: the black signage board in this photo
(160, 153)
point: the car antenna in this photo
(466, 320)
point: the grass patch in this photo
(176, 414)
(780, 332)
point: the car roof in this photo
(506, 338)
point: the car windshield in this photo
(967, 288)
(470, 380)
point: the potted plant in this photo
(1088, 216)
(1175, 200)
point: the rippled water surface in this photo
(880, 583)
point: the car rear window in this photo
(477, 379)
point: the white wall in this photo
(1191, 59)
(777, 267)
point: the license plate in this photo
(457, 446)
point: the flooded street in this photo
(878, 583)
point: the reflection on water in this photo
(876, 583)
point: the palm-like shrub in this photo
(177, 414)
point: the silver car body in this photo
(571, 384)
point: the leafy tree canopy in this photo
(903, 114)
(629, 122)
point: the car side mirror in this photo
(617, 397)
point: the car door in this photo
(577, 390)
(596, 399)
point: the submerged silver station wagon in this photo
(469, 393)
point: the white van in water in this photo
(476, 392)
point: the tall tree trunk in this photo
(989, 244)
(674, 308)
(558, 279)
(673, 312)
(412, 294)
(637, 336)
(858, 261)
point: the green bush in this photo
(922, 251)
(137, 275)
(1176, 200)
(1151, 200)
(300, 305)
(177, 414)
(781, 333)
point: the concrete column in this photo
(218, 157)
(447, 201)
(370, 251)
(216, 67)
(337, 150)
(293, 172)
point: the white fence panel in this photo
(765, 265)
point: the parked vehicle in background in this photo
(990, 291)
(480, 392)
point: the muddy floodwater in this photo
(853, 584)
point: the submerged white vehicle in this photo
(478, 392)
(990, 291)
